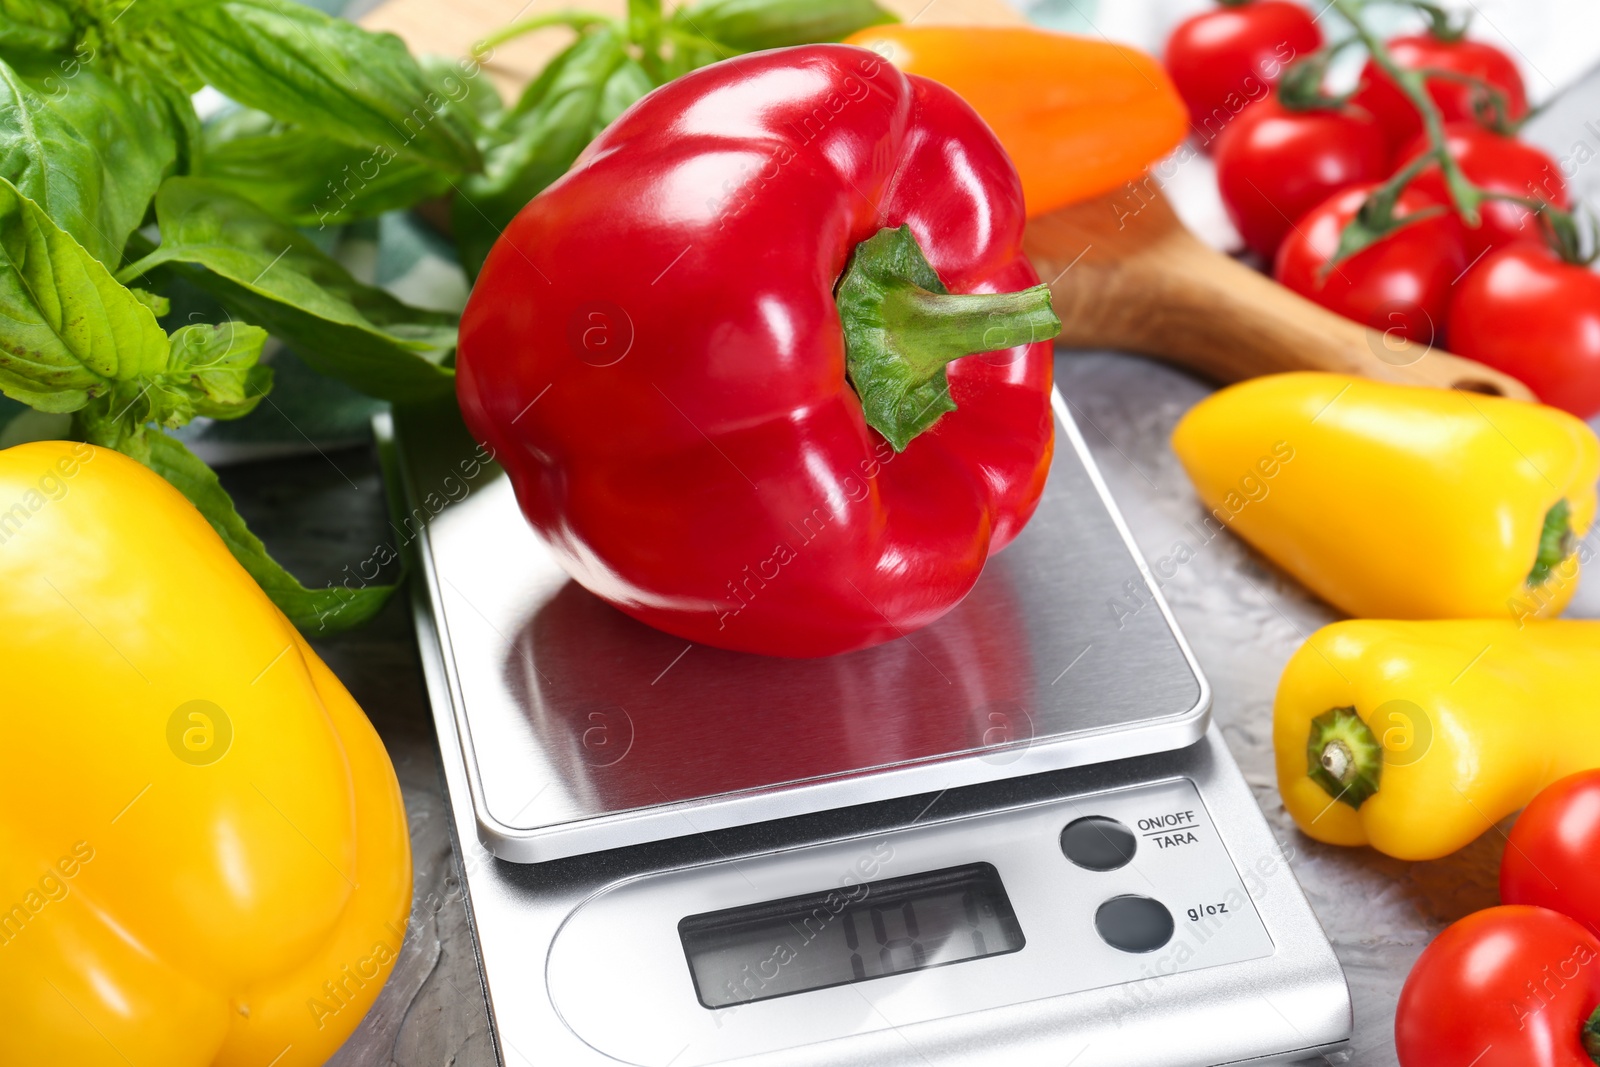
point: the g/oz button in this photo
(1097, 843)
(1134, 923)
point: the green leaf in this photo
(305, 178)
(540, 136)
(312, 611)
(750, 25)
(268, 273)
(213, 370)
(91, 156)
(325, 74)
(626, 85)
(159, 305)
(461, 82)
(68, 331)
(34, 27)
(128, 125)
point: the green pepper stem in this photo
(902, 328)
(1591, 1036)
(934, 329)
(1343, 756)
(1556, 542)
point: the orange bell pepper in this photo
(1079, 117)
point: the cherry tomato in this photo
(1505, 987)
(1274, 165)
(1379, 94)
(1501, 164)
(1524, 311)
(1553, 858)
(1401, 285)
(1223, 60)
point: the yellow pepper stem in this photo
(1556, 542)
(1343, 757)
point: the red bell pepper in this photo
(713, 357)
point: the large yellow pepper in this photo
(204, 857)
(1416, 737)
(1398, 501)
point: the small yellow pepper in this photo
(204, 856)
(1416, 737)
(1398, 501)
(1078, 116)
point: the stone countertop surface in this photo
(1243, 617)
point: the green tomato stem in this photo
(1441, 23)
(1499, 105)
(1413, 84)
(902, 326)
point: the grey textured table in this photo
(1243, 617)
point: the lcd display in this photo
(850, 934)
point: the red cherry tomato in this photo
(1505, 987)
(1274, 165)
(1500, 164)
(1524, 311)
(1401, 285)
(1225, 59)
(1553, 858)
(1379, 95)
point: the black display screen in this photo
(851, 934)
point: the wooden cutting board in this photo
(1125, 273)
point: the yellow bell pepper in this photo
(1417, 736)
(1398, 501)
(204, 856)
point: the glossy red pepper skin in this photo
(654, 353)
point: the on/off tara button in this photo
(1098, 843)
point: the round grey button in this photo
(1134, 923)
(1097, 843)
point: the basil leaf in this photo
(458, 80)
(177, 106)
(325, 74)
(305, 178)
(127, 123)
(312, 611)
(214, 371)
(68, 331)
(159, 305)
(270, 274)
(750, 25)
(95, 183)
(34, 26)
(621, 91)
(538, 139)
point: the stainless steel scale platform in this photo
(1008, 838)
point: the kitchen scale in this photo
(1011, 837)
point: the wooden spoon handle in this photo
(1130, 276)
